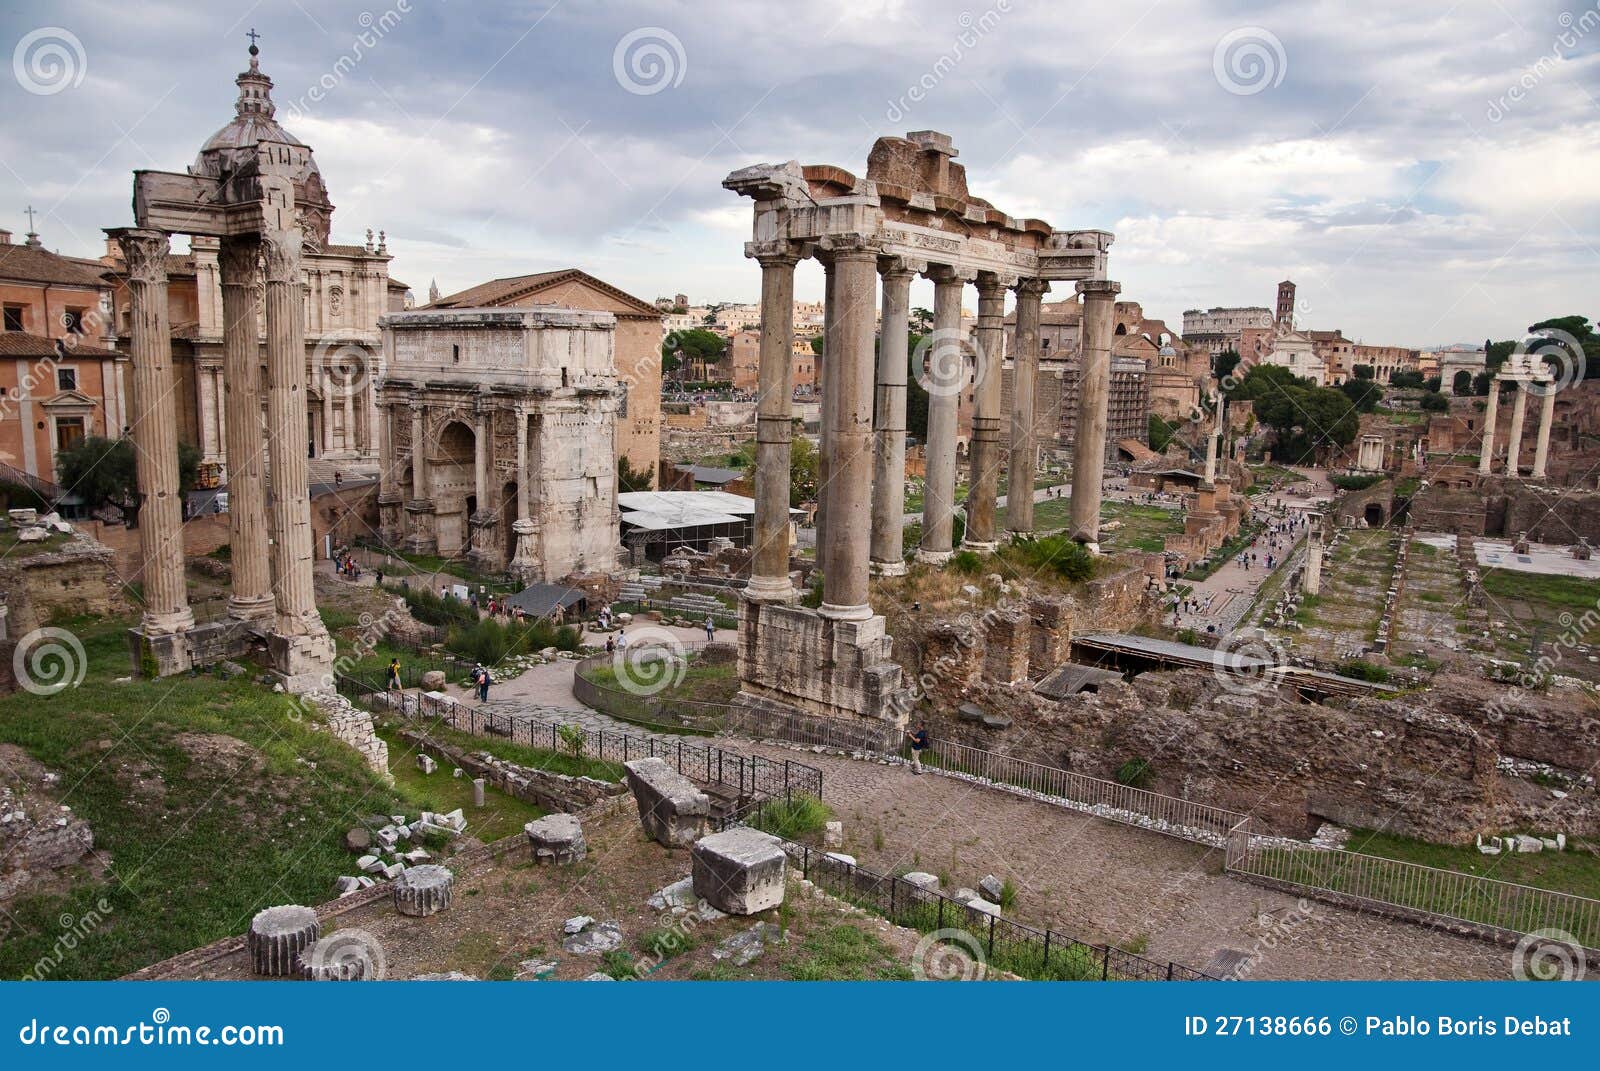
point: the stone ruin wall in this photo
(78, 579)
(1444, 766)
(1503, 508)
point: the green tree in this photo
(1363, 371)
(1435, 402)
(804, 471)
(921, 321)
(1160, 433)
(1406, 378)
(105, 472)
(1225, 363)
(916, 395)
(697, 348)
(632, 479)
(1307, 420)
(1364, 393)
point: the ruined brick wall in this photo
(1424, 766)
(78, 579)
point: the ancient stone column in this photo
(946, 375)
(1491, 410)
(889, 428)
(1024, 378)
(769, 566)
(525, 558)
(480, 459)
(349, 413)
(847, 418)
(1094, 393)
(988, 398)
(252, 597)
(155, 436)
(301, 649)
(277, 937)
(1212, 438)
(1519, 408)
(327, 409)
(1547, 413)
(423, 890)
(419, 467)
(830, 345)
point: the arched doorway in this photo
(451, 478)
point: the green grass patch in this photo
(500, 816)
(843, 953)
(551, 760)
(798, 816)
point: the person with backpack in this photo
(919, 744)
(394, 675)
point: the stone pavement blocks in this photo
(740, 871)
(672, 810)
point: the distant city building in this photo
(1220, 329)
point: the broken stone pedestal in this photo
(672, 810)
(345, 956)
(556, 839)
(277, 937)
(739, 871)
(423, 890)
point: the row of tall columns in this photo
(1024, 441)
(1094, 392)
(1541, 450)
(252, 597)
(155, 436)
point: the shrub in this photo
(489, 641)
(572, 738)
(431, 608)
(1135, 773)
(794, 817)
(967, 563)
(1353, 482)
(1057, 553)
(1363, 671)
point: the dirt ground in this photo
(1104, 882)
(507, 911)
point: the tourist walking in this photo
(919, 743)
(394, 675)
(711, 629)
(622, 639)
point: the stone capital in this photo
(280, 251)
(993, 284)
(1031, 288)
(145, 252)
(901, 268)
(949, 273)
(238, 257)
(1098, 288)
(848, 247)
(775, 254)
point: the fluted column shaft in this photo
(946, 376)
(419, 464)
(1547, 412)
(769, 567)
(252, 597)
(983, 487)
(155, 436)
(830, 346)
(385, 449)
(524, 492)
(1213, 439)
(1094, 394)
(480, 459)
(847, 418)
(286, 419)
(1519, 409)
(1491, 412)
(889, 445)
(1024, 380)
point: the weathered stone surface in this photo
(536, 969)
(745, 946)
(577, 924)
(358, 839)
(445, 976)
(739, 871)
(277, 937)
(556, 839)
(426, 764)
(991, 887)
(433, 680)
(343, 956)
(672, 810)
(833, 835)
(922, 880)
(423, 890)
(595, 940)
(978, 903)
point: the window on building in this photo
(69, 432)
(72, 320)
(13, 317)
(66, 379)
(455, 354)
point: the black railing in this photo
(1001, 943)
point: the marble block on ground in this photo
(739, 871)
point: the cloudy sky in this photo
(1426, 173)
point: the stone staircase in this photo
(638, 590)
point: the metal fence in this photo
(1500, 910)
(750, 777)
(1000, 943)
(1184, 819)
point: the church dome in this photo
(235, 146)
